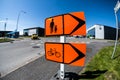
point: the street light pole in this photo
(19, 18)
(5, 27)
(5, 24)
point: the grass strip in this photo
(5, 40)
(102, 67)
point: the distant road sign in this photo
(117, 7)
(68, 53)
(66, 24)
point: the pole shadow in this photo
(1, 79)
(116, 56)
(85, 75)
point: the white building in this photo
(102, 32)
(35, 30)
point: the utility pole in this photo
(117, 7)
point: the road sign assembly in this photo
(65, 53)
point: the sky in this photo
(96, 12)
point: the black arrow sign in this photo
(80, 54)
(81, 22)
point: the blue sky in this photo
(96, 12)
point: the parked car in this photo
(34, 36)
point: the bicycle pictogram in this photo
(53, 52)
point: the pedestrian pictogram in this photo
(53, 27)
(66, 24)
(67, 53)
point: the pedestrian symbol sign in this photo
(67, 53)
(66, 24)
(54, 26)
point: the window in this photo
(92, 32)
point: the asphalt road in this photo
(41, 69)
(16, 54)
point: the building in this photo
(13, 34)
(102, 32)
(10, 34)
(35, 30)
(4, 33)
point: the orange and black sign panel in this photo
(54, 52)
(54, 26)
(74, 24)
(67, 53)
(66, 24)
(74, 54)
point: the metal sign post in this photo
(62, 72)
(117, 7)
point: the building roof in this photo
(5, 31)
(33, 28)
(13, 32)
(99, 25)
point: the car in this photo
(91, 37)
(34, 36)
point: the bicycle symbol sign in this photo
(67, 53)
(53, 52)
